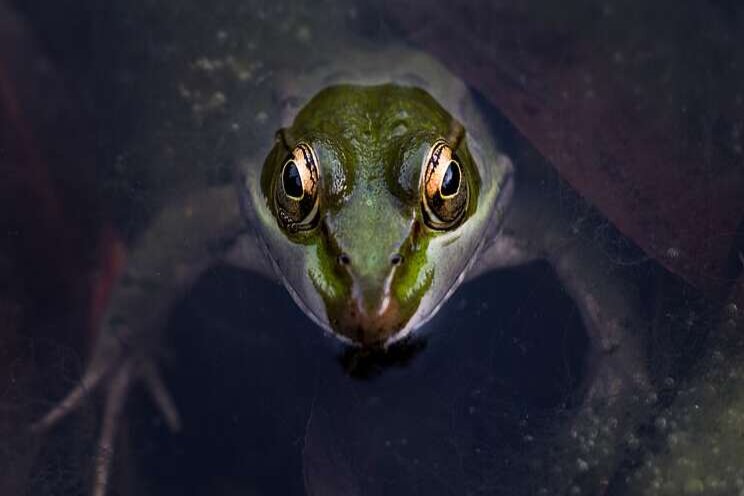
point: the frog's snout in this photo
(370, 328)
(372, 315)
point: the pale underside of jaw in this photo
(420, 318)
(320, 317)
(417, 320)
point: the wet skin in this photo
(383, 190)
(390, 188)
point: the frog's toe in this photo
(115, 398)
(92, 378)
(115, 378)
(160, 395)
(131, 370)
(116, 394)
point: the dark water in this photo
(487, 401)
(262, 390)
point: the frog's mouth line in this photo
(299, 301)
(415, 324)
(320, 322)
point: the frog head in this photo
(373, 209)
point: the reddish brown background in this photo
(639, 105)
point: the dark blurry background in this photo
(639, 106)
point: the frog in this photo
(380, 189)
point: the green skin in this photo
(370, 158)
(371, 135)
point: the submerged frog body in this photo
(383, 190)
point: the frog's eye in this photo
(444, 190)
(296, 190)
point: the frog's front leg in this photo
(616, 386)
(537, 226)
(610, 308)
(184, 239)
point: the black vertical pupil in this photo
(451, 181)
(291, 180)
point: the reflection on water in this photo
(487, 401)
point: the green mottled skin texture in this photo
(370, 143)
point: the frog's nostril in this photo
(396, 259)
(344, 259)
